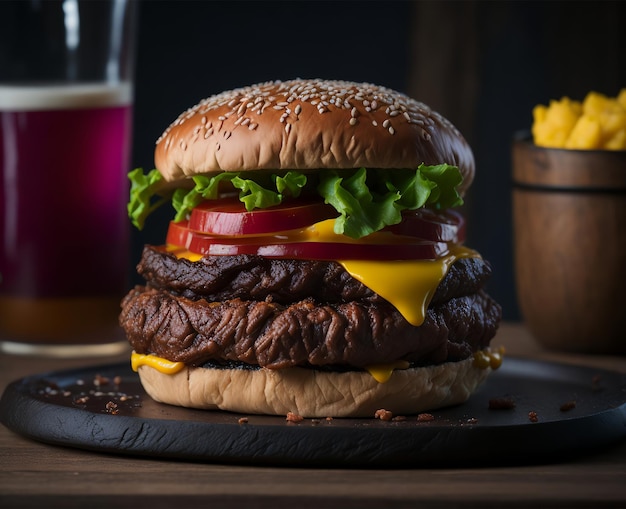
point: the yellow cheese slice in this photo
(159, 363)
(408, 284)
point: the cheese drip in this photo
(159, 363)
(408, 284)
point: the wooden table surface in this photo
(39, 475)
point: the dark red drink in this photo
(64, 155)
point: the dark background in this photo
(482, 64)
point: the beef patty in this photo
(278, 313)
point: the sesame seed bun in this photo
(312, 393)
(306, 125)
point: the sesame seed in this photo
(353, 121)
(357, 98)
(253, 126)
(392, 130)
(288, 128)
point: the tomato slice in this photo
(228, 216)
(437, 226)
(276, 247)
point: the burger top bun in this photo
(309, 124)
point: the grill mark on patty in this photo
(305, 333)
(279, 313)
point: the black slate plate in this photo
(104, 408)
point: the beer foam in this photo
(59, 97)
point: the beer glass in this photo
(66, 95)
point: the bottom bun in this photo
(311, 393)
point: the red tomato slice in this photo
(437, 226)
(272, 247)
(228, 216)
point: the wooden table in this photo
(38, 475)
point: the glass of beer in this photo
(66, 69)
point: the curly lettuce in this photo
(369, 200)
(366, 200)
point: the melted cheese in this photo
(382, 372)
(159, 363)
(408, 284)
(181, 252)
(483, 359)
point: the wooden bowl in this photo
(569, 220)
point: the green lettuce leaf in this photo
(144, 195)
(366, 200)
(369, 200)
(149, 191)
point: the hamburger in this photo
(315, 262)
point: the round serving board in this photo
(526, 412)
